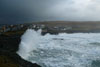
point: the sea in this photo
(62, 50)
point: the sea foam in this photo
(62, 50)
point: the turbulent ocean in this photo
(62, 50)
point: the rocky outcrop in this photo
(8, 46)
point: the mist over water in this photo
(62, 50)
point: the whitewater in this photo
(62, 50)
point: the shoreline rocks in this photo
(8, 58)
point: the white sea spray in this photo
(62, 50)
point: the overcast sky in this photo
(19, 11)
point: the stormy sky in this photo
(20, 11)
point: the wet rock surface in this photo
(8, 46)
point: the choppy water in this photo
(63, 50)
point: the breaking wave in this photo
(62, 50)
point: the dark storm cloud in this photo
(17, 11)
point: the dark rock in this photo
(8, 47)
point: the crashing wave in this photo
(62, 50)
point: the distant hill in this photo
(77, 26)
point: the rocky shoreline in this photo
(9, 43)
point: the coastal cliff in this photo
(9, 43)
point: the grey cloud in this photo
(41, 10)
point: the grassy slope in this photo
(76, 26)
